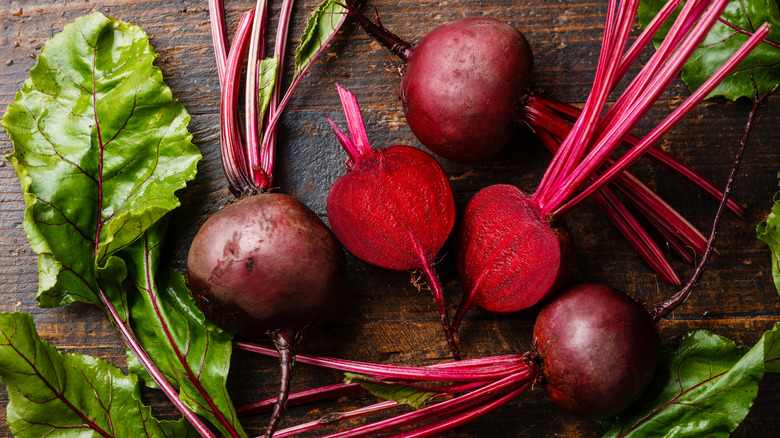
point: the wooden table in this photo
(380, 316)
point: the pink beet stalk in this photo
(506, 228)
(394, 208)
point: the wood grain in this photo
(380, 316)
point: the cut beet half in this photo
(394, 208)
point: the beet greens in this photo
(123, 154)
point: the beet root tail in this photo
(284, 340)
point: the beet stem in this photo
(268, 145)
(302, 397)
(389, 40)
(218, 36)
(569, 154)
(463, 309)
(335, 417)
(251, 126)
(358, 146)
(567, 176)
(446, 424)
(474, 398)
(143, 357)
(641, 93)
(234, 162)
(549, 121)
(284, 340)
(661, 310)
(638, 98)
(672, 119)
(432, 278)
(467, 370)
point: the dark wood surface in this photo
(380, 316)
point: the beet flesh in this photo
(393, 209)
(598, 347)
(463, 86)
(509, 257)
(266, 262)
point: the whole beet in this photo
(598, 347)
(463, 86)
(266, 262)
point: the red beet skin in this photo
(463, 85)
(599, 348)
(509, 257)
(394, 209)
(266, 262)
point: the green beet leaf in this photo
(739, 18)
(192, 353)
(266, 81)
(768, 231)
(53, 394)
(705, 388)
(322, 26)
(100, 147)
(397, 392)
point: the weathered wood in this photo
(380, 316)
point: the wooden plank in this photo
(380, 316)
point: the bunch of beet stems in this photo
(465, 388)
(247, 168)
(459, 391)
(248, 150)
(551, 120)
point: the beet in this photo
(462, 87)
(266, 266)
(417, 215)
(463, 84)
(394, 208)
(263, 263)
(509, 256)
(598, 348)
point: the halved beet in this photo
(393, 209)
(509, 256)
